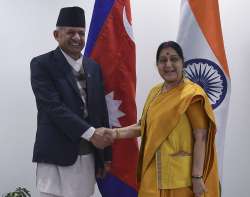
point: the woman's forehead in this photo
(168, 51)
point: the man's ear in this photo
(56, 34)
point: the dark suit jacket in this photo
(60, 109)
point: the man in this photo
(71, 113)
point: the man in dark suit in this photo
(72, 113)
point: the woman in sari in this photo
(177, 154)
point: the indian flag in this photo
(200, 36)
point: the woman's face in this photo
(170, 65)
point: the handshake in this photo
(103, 137)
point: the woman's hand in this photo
(198, 187)
(110, 134)
(123, 133)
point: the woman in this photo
(177, 155)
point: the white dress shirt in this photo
(76, 65)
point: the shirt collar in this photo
(76, 64)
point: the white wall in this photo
(26, 31)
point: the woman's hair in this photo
(170, 44)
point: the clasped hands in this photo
(103, 137)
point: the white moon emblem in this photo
(127, 25)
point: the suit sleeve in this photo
(49, 102)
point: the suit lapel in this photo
(87, 68)
(64, 66)
(89, 78)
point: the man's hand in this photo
(101, 138)
(101, 173)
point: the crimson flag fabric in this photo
(111, 44)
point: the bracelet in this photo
(197, 177)
(117, 133)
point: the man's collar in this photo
(76, 64)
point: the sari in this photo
(161, 114)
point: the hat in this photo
(71, 17)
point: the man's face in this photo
(71, 40)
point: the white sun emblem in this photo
(113, 110)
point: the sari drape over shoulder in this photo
(161, 114)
